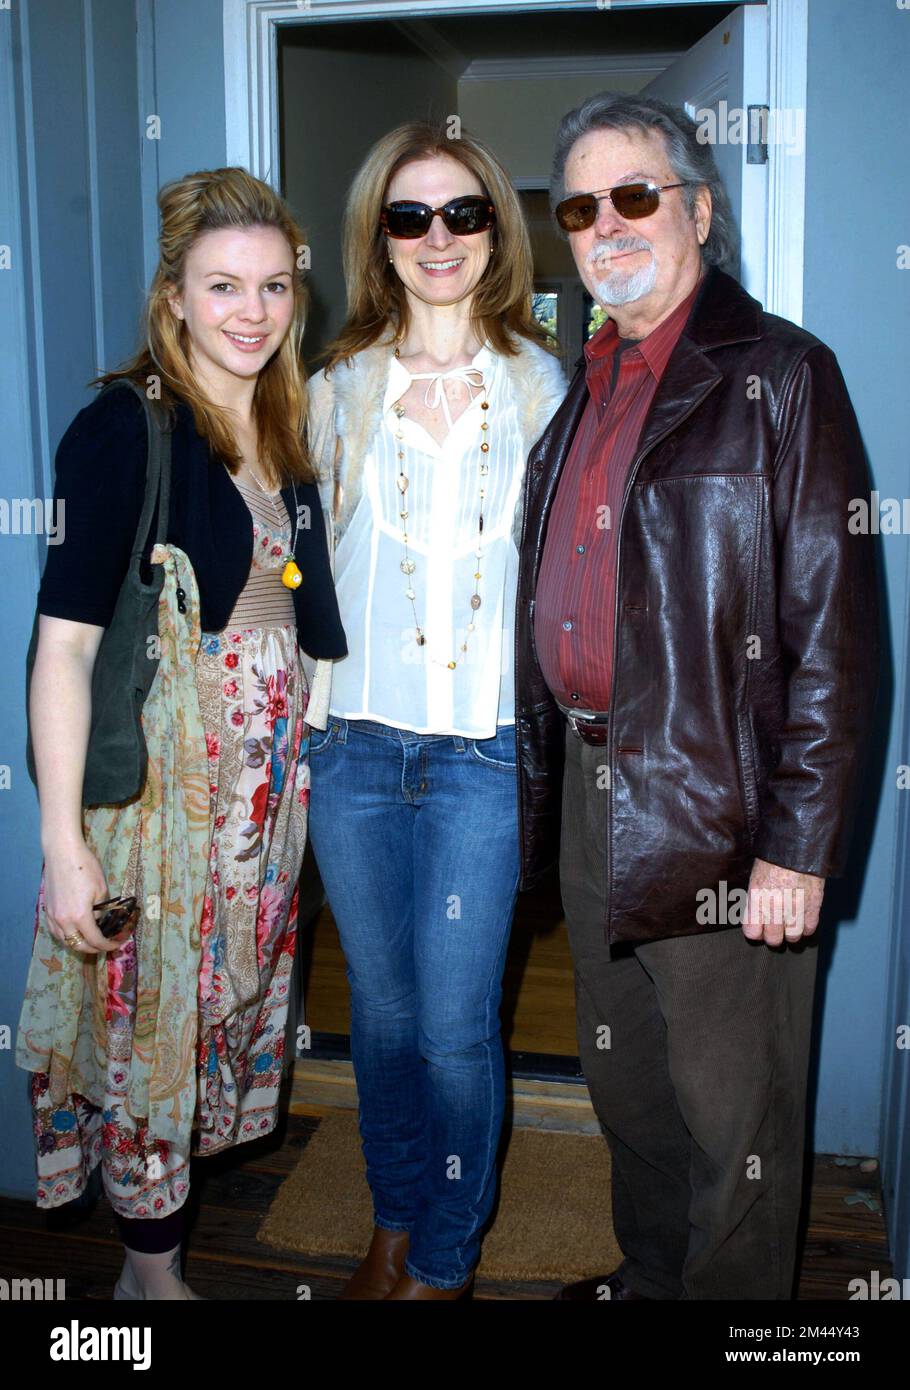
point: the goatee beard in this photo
(617, 287)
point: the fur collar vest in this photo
(345, 412)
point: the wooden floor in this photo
(538, 1008)
(232, 1192)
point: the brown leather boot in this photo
(381, 1267)
(408, 1288)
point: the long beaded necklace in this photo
(407, 565)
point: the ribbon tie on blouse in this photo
(435, 394)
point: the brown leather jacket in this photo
(733, 527)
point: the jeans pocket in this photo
(320, 739)
(498, 751)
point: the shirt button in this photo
(567, 625)
(579, 550)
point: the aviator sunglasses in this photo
(407, 220)
(630, 200)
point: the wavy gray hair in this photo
(691, 161)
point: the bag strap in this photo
(157, 472)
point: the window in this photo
(545, 308)
(594, 317)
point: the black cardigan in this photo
(100, 478)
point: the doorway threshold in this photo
(522, 1065)
(543, 1091)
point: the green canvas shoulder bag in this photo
(127, 658)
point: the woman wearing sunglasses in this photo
(154, 1021)
(433, 393)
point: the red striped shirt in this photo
(576, 588)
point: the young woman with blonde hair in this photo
(433, 393)
(170, 1042)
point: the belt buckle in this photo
(574, 722)
(578, 722)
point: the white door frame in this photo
(251, 99)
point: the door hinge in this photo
(757, 145)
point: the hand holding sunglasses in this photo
(119, 920)
(115, 925)
(407, 220)
(631, 200)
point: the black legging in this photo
(152, 1236)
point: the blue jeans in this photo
(416, 837)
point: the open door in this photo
(356, 80)
(722, 83)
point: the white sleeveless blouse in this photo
(386, 675)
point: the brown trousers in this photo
(699, 1085)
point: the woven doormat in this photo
(553, 1220)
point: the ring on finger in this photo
(74, 940)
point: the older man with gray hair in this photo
(697, 665)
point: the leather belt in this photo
(587, 724)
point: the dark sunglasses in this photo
(630, 200)
(463, 217)
(120, 918)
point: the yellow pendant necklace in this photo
(291, 575)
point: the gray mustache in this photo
(622, 243)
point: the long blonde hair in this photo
(207, 201)
(501, 307)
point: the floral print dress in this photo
(190, 1013)
(253, 697)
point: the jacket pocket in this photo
(748, 779)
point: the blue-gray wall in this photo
(858, 301)
(78, 175)
(181, 81)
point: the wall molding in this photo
(23, 213)
(91, 142)
(788, 61)
(585, 65)
(251, 99)
(147, 105)
(427, 38)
